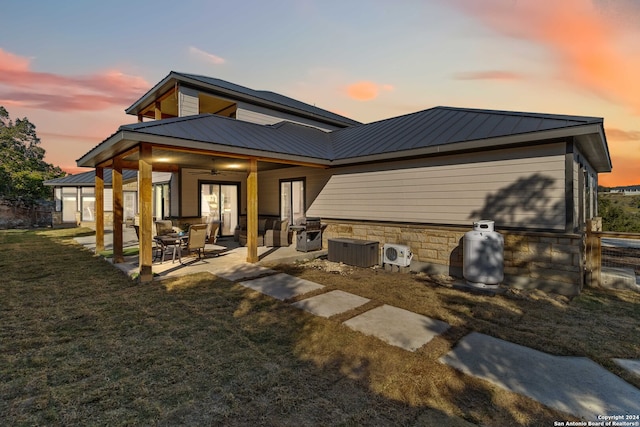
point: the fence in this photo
(610, 250)
(12, 216)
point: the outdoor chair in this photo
(157, 247)
(278, 235)
(197, 239)
(212, 232)
(165, 226)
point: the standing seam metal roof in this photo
(428, 128)
(89, 178)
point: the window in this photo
(292, 200)
(69, 204)
(88, 204)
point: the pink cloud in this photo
(623, 135)
(56, 92)
(488, 75)
(11, 62)
(589, 44)
(208, 57)
(366, 90)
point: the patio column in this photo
(116, 183)
(99, 210)
(146, 212)
(252, 212)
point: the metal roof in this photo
(438, 129)
(232, 90)
(440, 126)
(280, 138)
(89, 178)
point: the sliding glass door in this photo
(292, 202)
(220, 202)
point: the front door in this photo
(220, 202)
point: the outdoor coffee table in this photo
(174, 239)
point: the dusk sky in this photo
(72, 67)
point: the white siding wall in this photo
(108, 200)
(518, 187)
(264, 116)
(188, 103)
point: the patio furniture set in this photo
(170, 237)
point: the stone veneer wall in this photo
(532, 260)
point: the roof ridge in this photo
(554, 116)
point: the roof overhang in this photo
(124, 141)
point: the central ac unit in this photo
(396, 254)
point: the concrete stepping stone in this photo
(575, 385)
(397, 326)
(242, 271)
(281, 286)
(631, 365)
(331, 303)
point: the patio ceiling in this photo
(166, 159)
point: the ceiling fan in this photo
(212, 171)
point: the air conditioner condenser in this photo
(395, 254)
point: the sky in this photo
(72, 67)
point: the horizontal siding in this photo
(526, 190)
(189, 103)
(265, 116)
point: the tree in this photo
(22, 166)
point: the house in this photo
(420, 179)
(74, 197)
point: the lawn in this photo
(82, 344)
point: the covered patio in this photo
(218, 257)
(166, 146)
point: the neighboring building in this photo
(629, 190)
(74, 197)
(420, 179)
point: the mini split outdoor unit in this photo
(396, 254)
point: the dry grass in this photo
(599, 323)
(81, 344)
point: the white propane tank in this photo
(483, 258)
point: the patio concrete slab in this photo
(575, 385)
(281, 286)
(397, 326)
(240, 272)
(631, 365)
(331, 303)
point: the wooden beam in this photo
(148, 111)
(594, 252)
(99, 210)
(157, 110)
(118, 210)
(252, 212)
(146, 212)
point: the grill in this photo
(309, 235)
